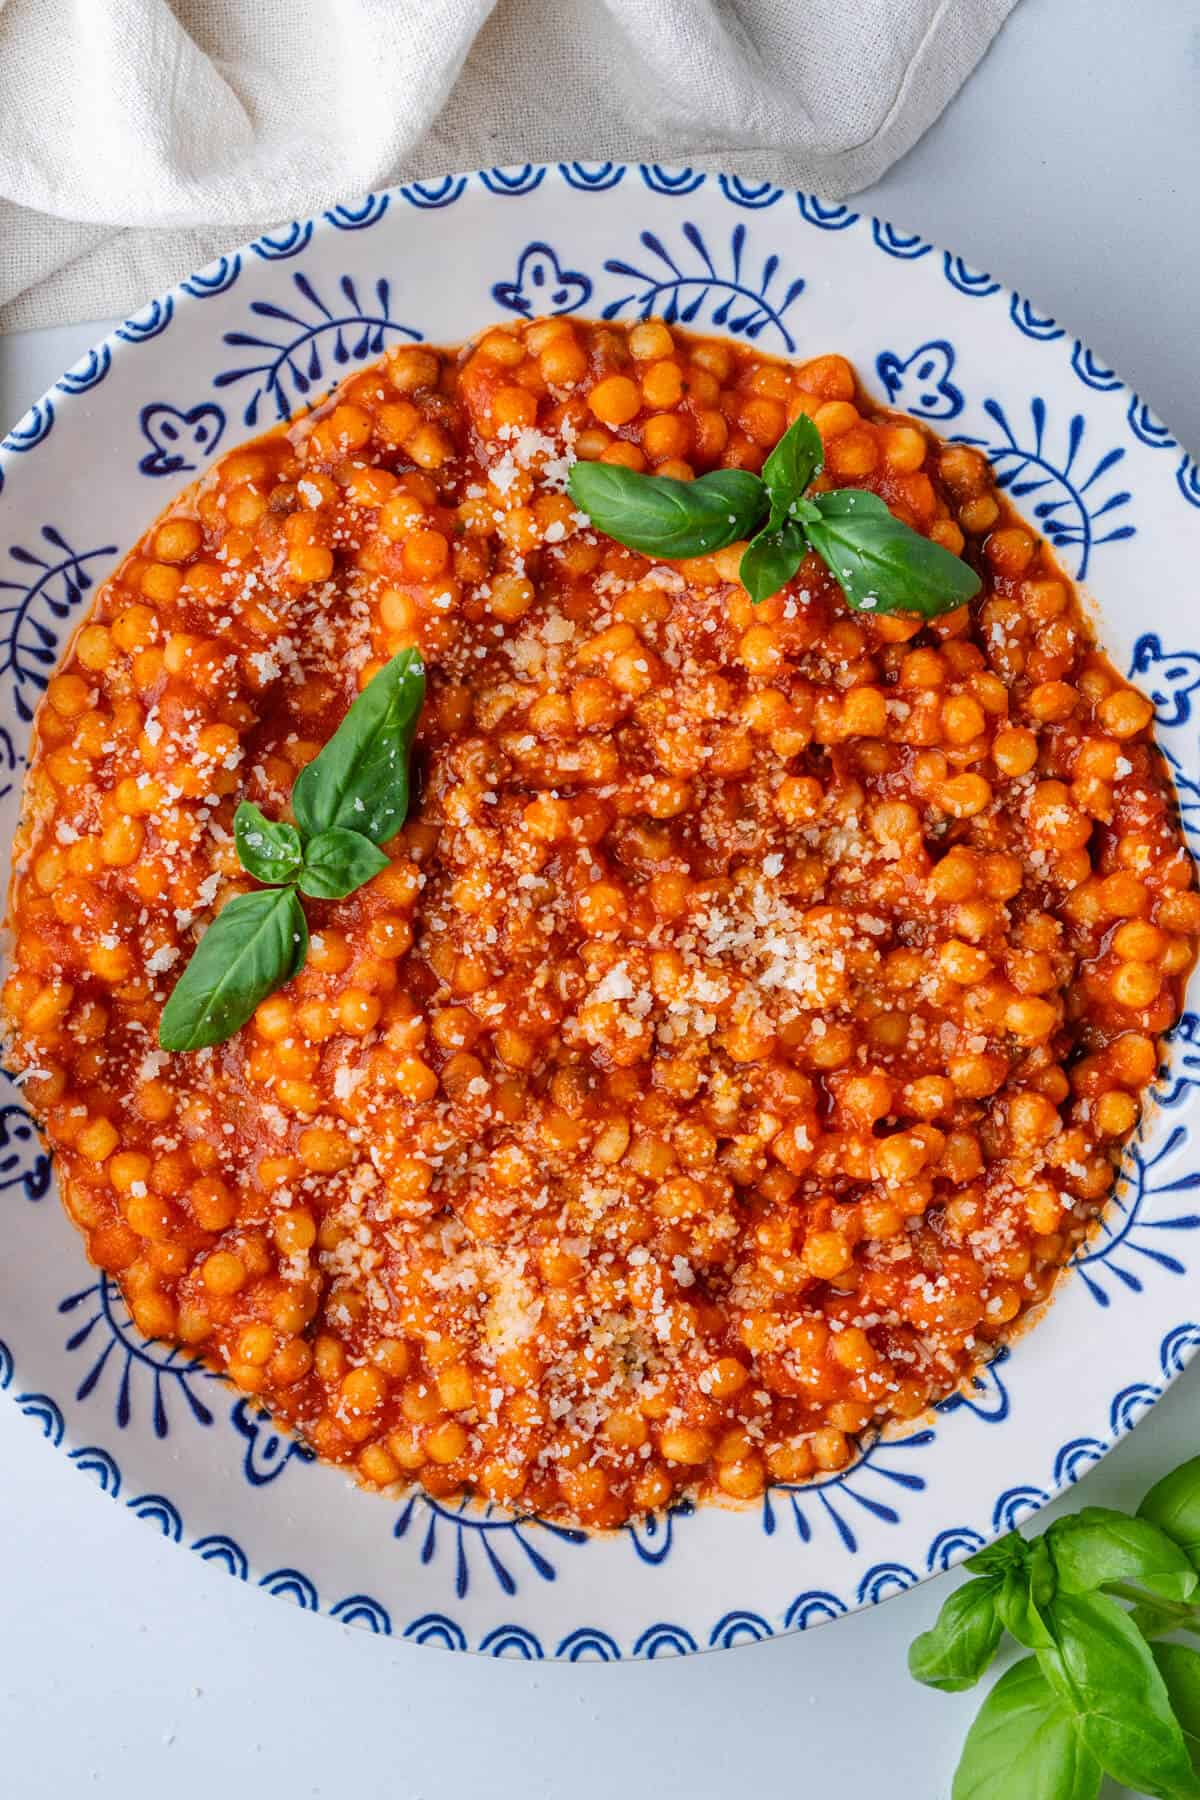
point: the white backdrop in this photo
(128, 1670)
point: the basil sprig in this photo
(352, 797)
(880, 564)
(1097, 1696)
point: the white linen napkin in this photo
(140, 138)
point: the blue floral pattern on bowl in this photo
(541, 285)
(313, 343)
(274, 327)
(179, 441)
(1064, 492)
(693, 281)
(921, 383)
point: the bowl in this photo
(240, 346)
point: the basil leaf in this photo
(1024, 1746)
(271, 852)
(663, 517)
(338, 861)
(770, 560)
(1180, 1670)
(1026, 1590)
(962, 1642)
(252, 947)
(796, 459)
(1106, 1677)
(1173, 1504)
(360, 778)
(1006, 1553)
(880, 564)
(1097, 1545)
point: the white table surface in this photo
(1069, 166)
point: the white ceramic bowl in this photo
(239, 346)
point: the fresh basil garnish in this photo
(253, 946)
(337, 861)
(268, 849)
(352, 796)
(796, 460)
(880, 564)
(663, 517)
(770, 560)
(360, 779)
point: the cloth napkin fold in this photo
(140, 138)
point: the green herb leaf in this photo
(1107, 1678)
(954, 1653)
(663, 517)
(271, 852)
(1180, 1670)
(1097, 1546)
(1025, 1592)
(253, 946)
(1173, 1504)
(360, 779)
(770, 560)
(338, 861)
(880, 564)
(1024, 1746)
(796, 459)
(996, 1559)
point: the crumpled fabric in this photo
(141, 138)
